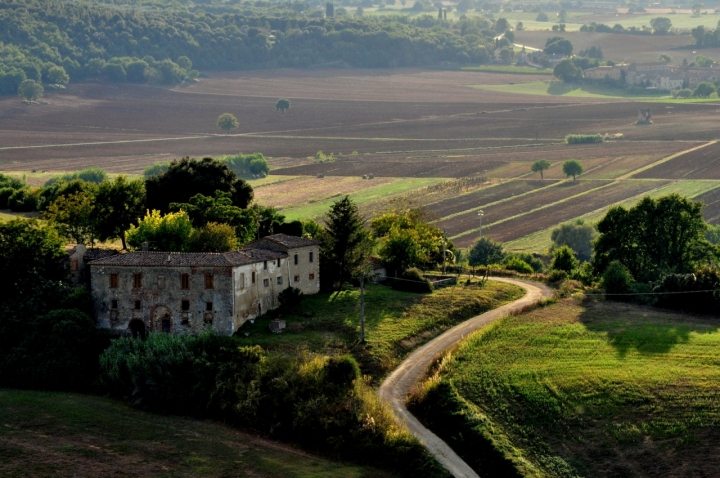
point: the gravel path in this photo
(394, 390)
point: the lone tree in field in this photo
(30, 90)
(226, 122)
(572, 168)
(282, 105)
(539, 166)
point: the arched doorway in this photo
(162, 319)
(137, 328)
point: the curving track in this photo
(395, 388)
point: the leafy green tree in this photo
(541, 17)
(501, 25)
(74, 217)
(563, 259)
(667, 59)
(30, 90)
(346, 243)
(51, 193)
(562, 16)
(703, 90)
(58, 76)
(168, 233)
(188, 177)
(572, 168)
(617, 279)
(704, 62)
(539, 166)
(219, 209)
(29, 250)
(484, 252)
(212, 237)
(566, 71)
(282, 105)
(118, 204)
(184, 63)
(577, 236)
(558, 46)
(654, 238)
(227, 121)
(661, 25)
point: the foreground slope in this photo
(583, 388)
(63, 434)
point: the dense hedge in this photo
(583, 138)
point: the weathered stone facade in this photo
(183, 293)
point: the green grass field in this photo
(396, 322)
(68, 434)
(588, 388)
(371, 194)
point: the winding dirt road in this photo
(394, 390)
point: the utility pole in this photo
(444, 250)
(362, 309)
(480, 216)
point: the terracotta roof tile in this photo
(189, 259)
(282, 241)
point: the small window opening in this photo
(296, 278)
(296, 259)
(312, 276)
(185, 305)
(312, 256)
(266, 282)
(279, 262)
(113, 281)
(253, 277)
(209, 281)
(166, 325)
(137, 281)
(185, 281)
(279, 280)
(265, 265)
(209, 306)
(113, 304)
(138, 305)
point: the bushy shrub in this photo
(531, 259)
(245, 164)
(5, 194)
(557, 275)
(412, 280)
(563, 259)
(617, 279)
(156, 169)
(290, 299)
(583, 138)
(91, 175)
(705, 279)
(22, 200)
(518, 265)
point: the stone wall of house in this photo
(161, 303)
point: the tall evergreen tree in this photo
(346, 243)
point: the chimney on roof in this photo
(144, 246)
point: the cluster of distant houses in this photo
(656, 75)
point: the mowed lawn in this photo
(395, 322)
(66, 434)
(594, 388)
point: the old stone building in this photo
(183, 293)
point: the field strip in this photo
(665, 159)
(540, 240)
(532, 211)
(148, 140)
(355, 138)
(500, 201)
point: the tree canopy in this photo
(227, 121)
(484, 252)
(539, 166)
(572, 168)
(282, 105)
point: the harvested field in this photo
(703, 163)
(554, 192)
(711, 199)
(557, 213)
(485, 195)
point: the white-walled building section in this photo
(183, 293)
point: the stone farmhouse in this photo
(655, 75)
(182, 293)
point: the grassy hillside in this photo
(584, 388)
(62, 434)
(395, 322)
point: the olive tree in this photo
(572, 168)
(539, 166)
(227, 121)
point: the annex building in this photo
(182, 293)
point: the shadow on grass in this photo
(646, 330)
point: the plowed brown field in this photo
(711, 199)
(703, 163)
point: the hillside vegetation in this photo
(583, 388)
(62, 434)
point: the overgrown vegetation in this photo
(583, 138)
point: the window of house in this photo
(296, 259)
(138, 305)
(312, 277)
(113, 281)
(166, 325)
(209, 281)
(279, 280)
(113, 304)
(253, 277)
(185, 281)
(296, 279)
(312, 256)
(279, 262)
(241, 281)
(74, 265)
(209, 306)
(161, 282)
(185, 305)
(266, 282)
(265, 265)
(137, 281)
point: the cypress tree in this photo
(346, 243)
